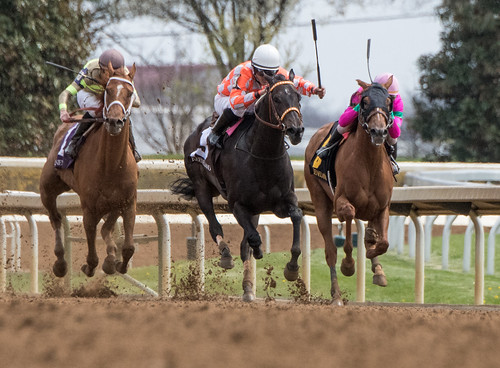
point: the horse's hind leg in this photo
(247, 283)
(109, 264)
(206, 204)
(378, 273)
(49, 190)
(324, 209)
(90, 225)
(346, 212)
(128, 243)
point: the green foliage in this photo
(32, 32)
(460, 84)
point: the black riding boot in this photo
(392, 151)
(226, 120)
(334, 141)
(74, 145)
(131, 139)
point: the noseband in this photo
(127, 111)
(272, 108)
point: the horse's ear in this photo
(291, 75)
(132, 71)
(388, 83)
(110, 68)
(362, 84)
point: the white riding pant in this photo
(86, 99)
(222, 102)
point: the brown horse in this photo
(104, 176)
(364, 185)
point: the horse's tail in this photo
(183, 187)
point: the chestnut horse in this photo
(364, 185)
(257, 175)
(104, 176)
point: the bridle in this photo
(126, 111)
(272, 108)
(377, 110)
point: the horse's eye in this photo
(276, 100)
(389, 103)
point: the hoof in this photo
(257, 253)
(291, 273)
(347, 267)
(337, 302)
(60, 268)
(121, 267)
(226, 260)
(89, 272)
(380, 280)
(248, 296)
(372, 253)
(109, 265)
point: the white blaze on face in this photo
(118, 90)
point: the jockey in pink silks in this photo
(350, 115)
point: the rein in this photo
(127, 111)
(86, 120)
(273, 112)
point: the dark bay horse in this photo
(104, 176)
(364, 185)
(253, 173)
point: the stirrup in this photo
(395, 167)
(137, 156)
(215, 139)
(71, 150)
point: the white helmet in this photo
(266, 57)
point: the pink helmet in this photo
(382, 78)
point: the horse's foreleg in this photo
(107, 229)
(377, 239)
(376, 244)
(249, 224)
(291, 271)
(346, 212)
(206, 204)
(90, 225)
(128, 248)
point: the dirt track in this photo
(140, 332)
(117, 332)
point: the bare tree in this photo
(174, 101)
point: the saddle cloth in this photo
(63, 161)
(202, 149)
(325, 168)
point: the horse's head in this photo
(375, 110)
(282, 102)
(118, 98)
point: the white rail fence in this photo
(413, 202)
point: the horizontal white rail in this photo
(412, 201)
